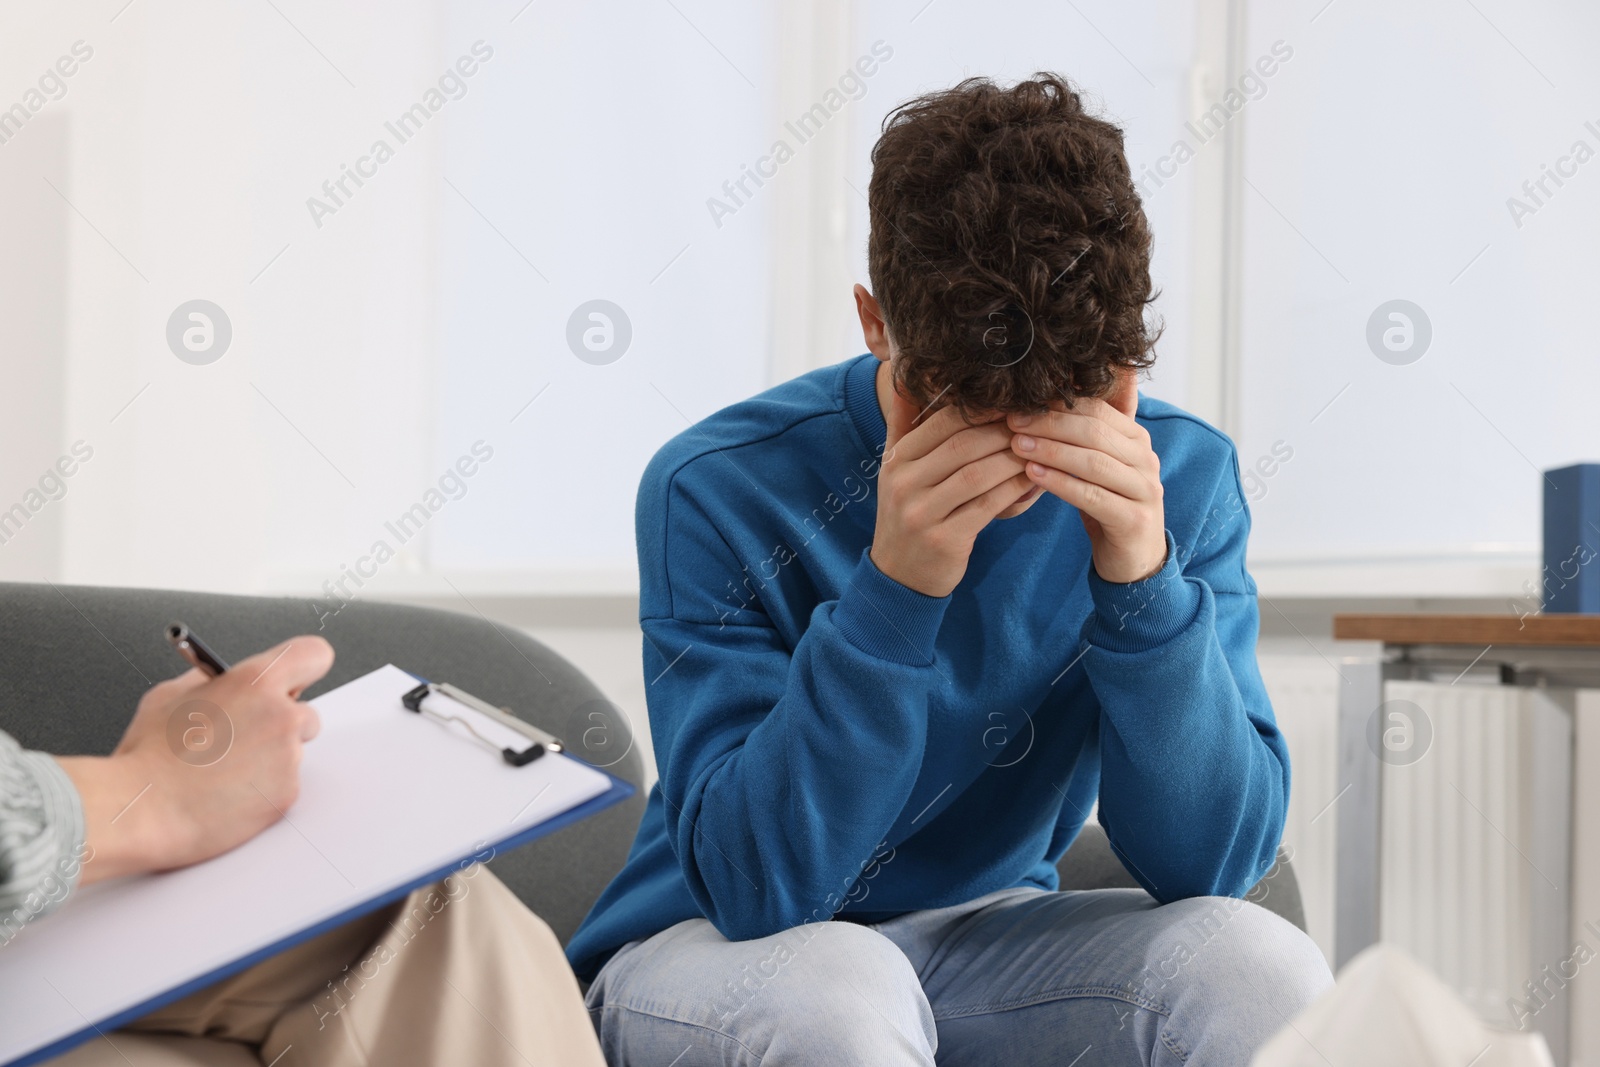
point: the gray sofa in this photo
(74, 661)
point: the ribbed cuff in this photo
(888, 620)
(65, 811)
(43, 826)
(1140, 615)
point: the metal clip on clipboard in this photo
(417, 700)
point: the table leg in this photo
(1358, 810)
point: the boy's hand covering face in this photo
(1098, 459)
(941, 482)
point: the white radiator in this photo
(1467, 861)
(1468, 871)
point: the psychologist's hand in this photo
(205, 765)
(940, 484)
(1098, 459)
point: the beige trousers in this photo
(458, 973)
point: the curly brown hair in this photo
(1009, 251)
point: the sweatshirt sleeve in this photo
(41, 835)
(1194, 773)
(782, 769)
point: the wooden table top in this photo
(1568, 631)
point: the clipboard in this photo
(518, 742)
(389, 803)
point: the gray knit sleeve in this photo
(41, 835)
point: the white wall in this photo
(195, 133)
(593, 145)
(1380, 166)
(374, 346)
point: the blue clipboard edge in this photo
(619, 791)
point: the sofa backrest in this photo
(74, 661)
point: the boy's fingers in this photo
(977, 513)
(966, 446)
(972, 481)
(1125, 394)
(916, 439)
(1111, 415)
(902, 417)
(1093, 500)
(1088, 464)
(921, 429)
(1085, 427)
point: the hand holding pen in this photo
(210, 759)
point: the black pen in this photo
(196, 651)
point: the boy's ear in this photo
(873, 327)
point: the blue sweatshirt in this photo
(832, 742)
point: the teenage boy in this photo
(881, 716)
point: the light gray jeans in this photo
(1020, 977)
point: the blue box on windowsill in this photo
(1571, 575)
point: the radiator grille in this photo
(1457, 843)
(1469, 867)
